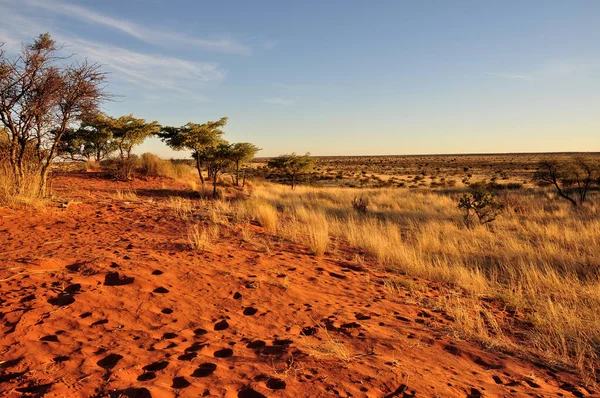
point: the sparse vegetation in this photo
(533, 260)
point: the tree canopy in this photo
(292, 165)
(195, 137)
(41, 96)
(240, 153)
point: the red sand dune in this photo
(104, 299)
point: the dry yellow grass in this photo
(200, 237)
(540, 257)
(126, 194)
(28, 193)
(181, 207)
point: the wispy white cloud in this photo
(280, 101)
(149, 35)
(148, 71)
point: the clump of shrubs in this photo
(479, 203)
(148, 164)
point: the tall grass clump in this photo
(314, 230)
(265, 214)
(25, 195)
(201, 237)
(151, 165)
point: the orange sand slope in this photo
(103, 298)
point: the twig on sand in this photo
(28, 273)
(53, 241)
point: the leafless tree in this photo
(41, 97)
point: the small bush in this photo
(121, 168)
(152, 165)
(481, 203)
(361, 204)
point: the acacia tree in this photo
(217, 157)
(240, 153)
(292, 165)
(40, 98)
(572, 179)
(128, 132)
(92, 140)
(197, 138)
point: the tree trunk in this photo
(237, 173)
(214, 184)
(293, 181)
(43, 181)
(564, 194)
(199, 167)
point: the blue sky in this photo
(343, 77)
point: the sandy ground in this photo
(103, 298)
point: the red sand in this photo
(224, 323)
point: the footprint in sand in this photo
(188, 356)
(50, 338)
(223, 353)
(180, 382)
(160, 290)
(156, 366)
(146, 376)
(196, 347)
(275, 384)
(166, 311)
(169, 335)
(35, 390)
(109, 361)
(100, 322)
(132, 392)
(475, 393)
(250, 311)
(114, 279)
(157, 272)
(256, 344)
(222, 325)
(308, 331)
(199, 332)
(204, 370)
(250, 393)
(62, 300)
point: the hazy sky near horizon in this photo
(342, 77)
